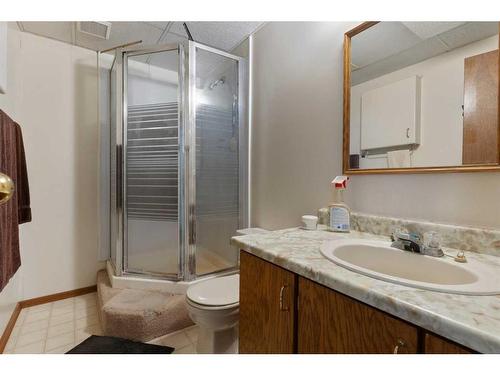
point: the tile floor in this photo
(57, 327)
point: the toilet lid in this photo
(218, 291)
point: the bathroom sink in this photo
(379, 260)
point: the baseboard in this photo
(39, 301)
(57, 296)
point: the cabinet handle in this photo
(407, 132)
(282, 290)
(400, 344)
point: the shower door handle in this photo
(192, 225)
(119, 177)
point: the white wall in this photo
(53, 95)
(297, 141)
(442, 95)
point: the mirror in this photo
(421, 97)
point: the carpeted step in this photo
(139, 315)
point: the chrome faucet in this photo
(404, 240)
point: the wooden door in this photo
(434, 344)
(330, 322)
(480, 138)
(267, 307)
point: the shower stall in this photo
(177, 161)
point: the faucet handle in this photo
(399, 232)
(431, 239)
(431, 244)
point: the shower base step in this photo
(139, 315)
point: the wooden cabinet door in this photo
(480, 134)
(330, 322)
(438, 345)
(267, 307)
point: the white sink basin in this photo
(379, 260)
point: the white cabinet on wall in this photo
(390, 115)
(3, 57)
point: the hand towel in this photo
(399, 159)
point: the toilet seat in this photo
(212, 308)
(215, 294)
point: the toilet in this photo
(214, 306)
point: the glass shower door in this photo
(153, 152)
(217, 139)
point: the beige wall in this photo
(296, 120)
(52, 90)
(297, 141)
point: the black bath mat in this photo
(115, 345)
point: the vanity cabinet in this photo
(267, 307)
(330, 322)
(281, 312)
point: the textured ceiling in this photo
(222, 35)
(389, 46)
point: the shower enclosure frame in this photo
(187, 158)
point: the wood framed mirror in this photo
(421, 97)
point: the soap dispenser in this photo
(340, 214)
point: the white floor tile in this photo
(82, 334)
(64, 302)
(57, 341)
(54, 327)
(34, 348)
(86, 303)
(174, 340)
(29, 338)
(86, 297)
(11, 343)
(86, 311)
(87, 321)
(61, 349)
(192, 333)
(33, 316)
(15, 330)
(34, 326)
(63, 318)
(189, 349)
(64, 309)
(38, 308)
(59, 329)
(21, 317)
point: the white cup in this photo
(310, 222)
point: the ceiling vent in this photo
(97, 29)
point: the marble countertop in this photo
(473, 321)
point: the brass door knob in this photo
(6, 188)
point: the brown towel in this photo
(17, 210)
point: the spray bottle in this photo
(340, 214)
